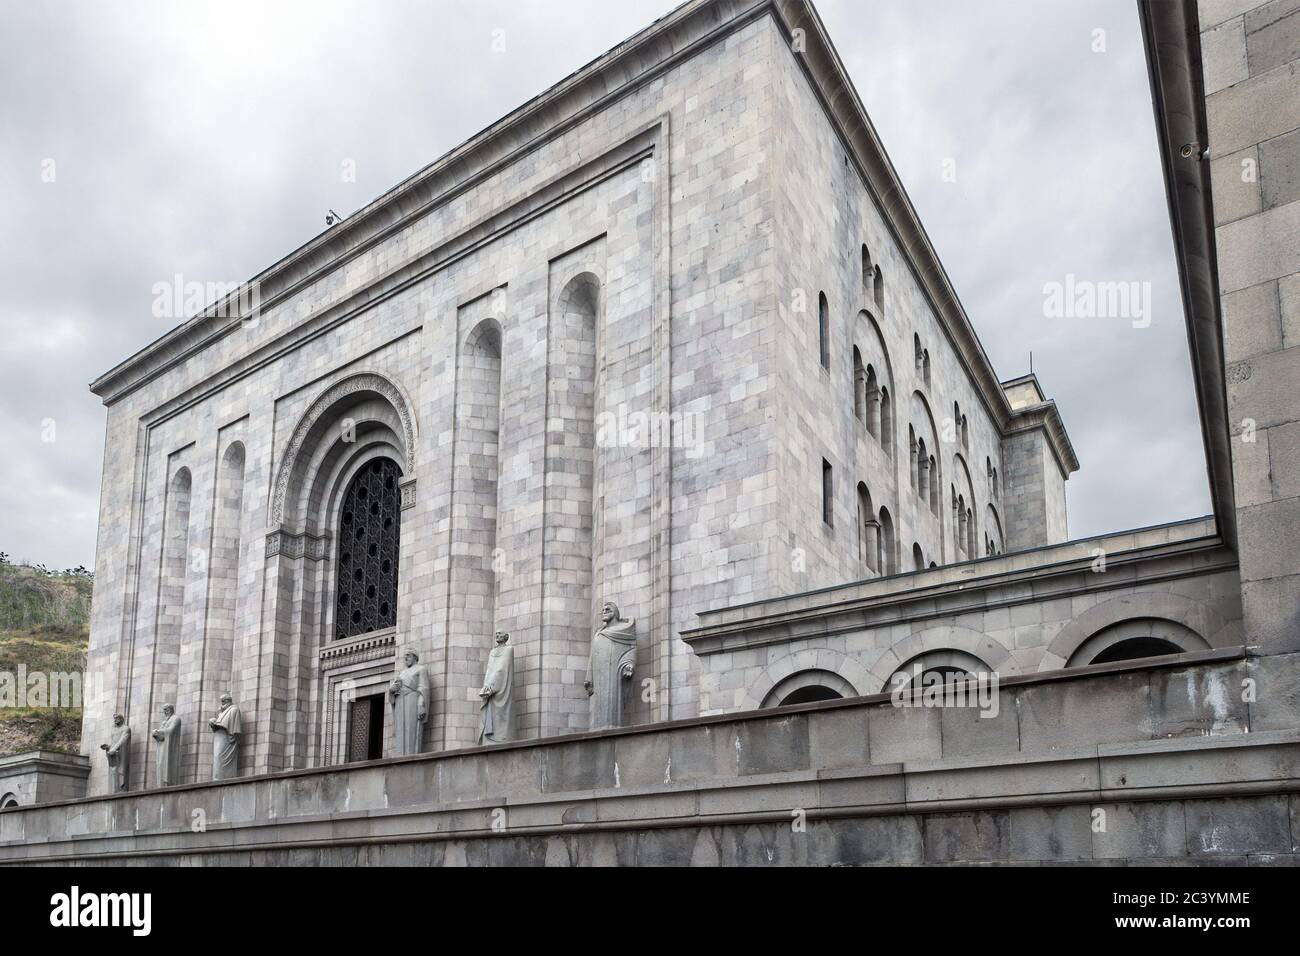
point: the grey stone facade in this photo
(692, 226)
(650, 238)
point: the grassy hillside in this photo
(45, 625)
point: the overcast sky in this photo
(206, 138)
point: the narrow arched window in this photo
(369, 526)
(859, 386)
(824, 330)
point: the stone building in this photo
(672, 335)
(672, 354)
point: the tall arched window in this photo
(369, 526)
(886, 422)
(914, 462)
(172, 587)
(868, 530)
(874, 394)
(888, 560)
(859, 386)
(934, 486)
(824, 330)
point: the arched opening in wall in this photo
(926, 466)
(878, 288)
(224, 598)
(807, 687)
(959, 531)
(860, 387)
(1137, 638)
(359, 432)
(368, 535)
(886, 422)
(1136, 648)
(7, 801)
(823, 330)
(873, 403)
(914, 460)
(934, 669)
(868, 530)
(878, 407)
(176, 558)
(888, 551)
(476, 484)
(868, 273)
(934, 485)
(966, 538)
(993, 530)
(922, 470)
(918, 558)
(573, 523)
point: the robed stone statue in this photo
(409, 697)
(226, 728)
(168, 747)
(497, 694)
(613, 659)
(118, 751)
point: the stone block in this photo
(1254, 110)
(978, 837)
(1140, 831)
(1279, 165)
(1268, 534)
(1050, 834)
(1086, 712)
(1239, 825)
(1212, 12)
(968, 732)
(1277, 691)
(1273, 44)
(904, 734)
(1223, 55)
(643, 759)
(839, 738)
(1200, 701)
(871, 840)
(1251, 320)
(581, 765)
(1260, 247)
(773, 745)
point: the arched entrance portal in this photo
(334, 574)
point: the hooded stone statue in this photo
(497, 694)
(118, 751)
(613, 659)
(168, 748)
(226, 728)
(409, 697)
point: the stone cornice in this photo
(48, 761)
(1045, 416)
(937, 594)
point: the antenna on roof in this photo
(332, 217)
(1031, 362)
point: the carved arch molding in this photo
(327, 400)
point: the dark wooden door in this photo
(366, 728)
